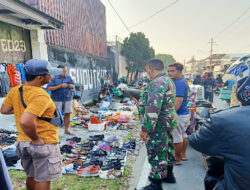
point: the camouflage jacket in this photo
(157, 105)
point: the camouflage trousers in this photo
(160, 156)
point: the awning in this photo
(20, 14)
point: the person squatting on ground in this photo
(61, 92)
(158, 118)
(77, 111)
(38, 141)
(227, 135)
(104, 95)
(180, 135)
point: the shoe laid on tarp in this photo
(90, 171)
(110, 174)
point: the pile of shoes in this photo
(98, 156)
(7, 137)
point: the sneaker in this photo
(129, 145)
(110, 174)
(105, 147)
(115, 164)
(90, 171)
(96, 138)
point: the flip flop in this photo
(178, 164)
(184, 159)
(69, 133)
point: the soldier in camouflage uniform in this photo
(158, 118)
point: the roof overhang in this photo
(20, 14)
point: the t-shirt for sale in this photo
(182, 91)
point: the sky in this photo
(185, 28)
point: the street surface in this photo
(190, 174)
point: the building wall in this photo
(84, 69)
(85, 24)
(15, 45)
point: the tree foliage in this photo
(136, 48)
(167, 59)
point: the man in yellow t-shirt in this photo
(38, 139)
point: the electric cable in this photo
(119, 16)
(235, 21)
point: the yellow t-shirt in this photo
(74, 105)
(38, 103)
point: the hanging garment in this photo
(18, 78)
(3, 67)
(4, 84)
(11, 73)
(20, 67)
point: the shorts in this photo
(64, 107)
(43, 162)
(179, 132)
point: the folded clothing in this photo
(94, 120)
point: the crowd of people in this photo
(164, 118)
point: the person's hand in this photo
(135, 100)
(71, 86)
(39, 141)
(144, 136)
(64, 85)
(85, 112)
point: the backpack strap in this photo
(21, 96)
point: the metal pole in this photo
(211, 53)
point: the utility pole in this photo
(211, 53)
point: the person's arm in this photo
(179, 101)
(181, 92)
(206, 139)
(71, 85)
(7, 106)
(52, 85)
(7, 110)
(53, 88)
(29, 127)
(152, 108)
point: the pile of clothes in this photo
(97, 156)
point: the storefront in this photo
(15, 46)
(21, 38)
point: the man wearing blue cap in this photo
(36, 116)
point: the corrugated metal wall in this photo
(85, 24)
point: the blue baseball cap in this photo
(41, 67)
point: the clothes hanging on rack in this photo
(20, 67)
(14, 75)
(4, 84)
